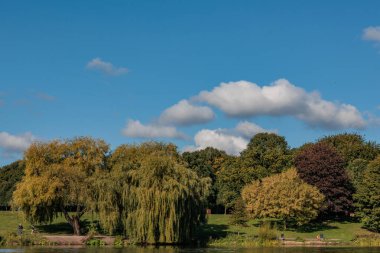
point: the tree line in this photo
(154, 194)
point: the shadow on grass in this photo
(209, 232)
(62, 227)
(313, 227)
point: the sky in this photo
(194, 73)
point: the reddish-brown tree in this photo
(320, 165)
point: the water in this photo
(186, 250)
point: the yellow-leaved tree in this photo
(59, 176)
(283, 196)
(151, 195)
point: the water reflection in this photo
(184, 250)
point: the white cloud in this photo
(372, 33)
(233, 141)
(13, 144)
(185, 113)
(248, 130)
(137, 130)
(106, 67)
(220, 139)
(246, 99)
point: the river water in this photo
(187, 250)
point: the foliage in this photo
(92, 241)
(267, 232)
(242, 241)
(230, 180)
(283, 196)
(355, 171)
(151, 195)
(352, 146)
(206, 163)
(13, 239)
(368, 196)
(367, 240)
(321, 166)
(239, 214)
(10, 175)
(266, 153)
(58, 178)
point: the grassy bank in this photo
(218, 231)
(9, 221)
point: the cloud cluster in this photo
(184, 113)
(136, 129)
(15, 144)
(246, 99)
(106, 67)
(233, 141)
(372, 33)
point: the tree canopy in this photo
(58, 178)
(283, 196)
(10, 175)
(368, 196)
(320, 165)
(266, 153)
(162, 200)
(352, 146)
(230, 180)
(207, 163)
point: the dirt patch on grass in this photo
(76, 240)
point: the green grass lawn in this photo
(218, 227)
(9, 221)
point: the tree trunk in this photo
(76, 225)
(73, 221)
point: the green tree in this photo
(283, 196)
(59, 178)
(10, 175)
(151, 195)
(207, 163)
(368, 196)
(230, 179)
(320, 165)
(355, 171)
(239, 214)
(352, 146)
(266, 154)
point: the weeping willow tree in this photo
(59, 178)
(151, 195)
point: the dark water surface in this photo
(187, 250)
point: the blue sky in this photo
(196, 73)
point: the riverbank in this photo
(217, 232)
(221, 234)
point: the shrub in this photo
(267, 232)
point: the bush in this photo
(95, 242)
(367, 240)
(267, 232)
(239, 214)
